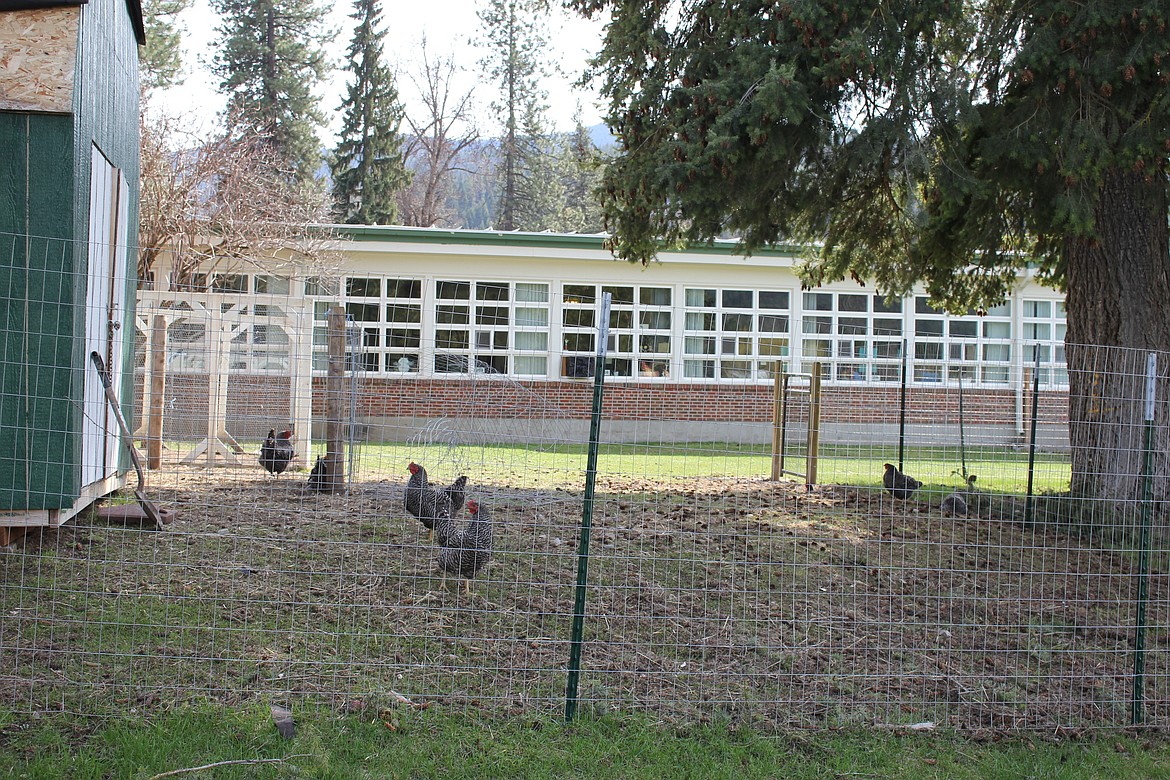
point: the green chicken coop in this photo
(69, 183)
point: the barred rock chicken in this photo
(468, 549)
(898, 484)
(456, 492)
(277, 451)
(432, 506)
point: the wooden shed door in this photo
(108, 211)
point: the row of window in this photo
(540, 329)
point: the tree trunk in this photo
(1118, 307)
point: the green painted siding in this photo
(106, 108)
(38, 420)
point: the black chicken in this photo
(432, 506)
(898, 484)
(468, 549)
(277, 451)
(319, 476)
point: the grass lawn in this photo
(402, 743)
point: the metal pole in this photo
(902, 414)
(1032, 437)
(962, 431)
(1139, 642)
(777, 422)
(578, 629)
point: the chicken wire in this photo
(713, 592)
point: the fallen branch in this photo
(236, 762)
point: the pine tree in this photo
(582, 164)
(271, 57)
(514, 35)
(160, 61)
(368, 164)
(935, 141)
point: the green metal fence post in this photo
(1032, 438)
(587, 515)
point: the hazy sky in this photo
(451, 27)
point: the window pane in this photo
(402, 338)
(928, 351)
(773, 300)
(363, 287)
(457, 291)
(997, 330)
(363, 312)
(891, 350)
(773, 323)
(654, 344)
(852, 302)
(699, 345)
(531, 318)
(491, 315)
(655, 320)
(452, 339)
(737, 322)
(532, 341)
(818, 301)
(272, 285)
(922, 306)
(579, 293)
(886, 327)
(621, 318)
(880, 304)
(773, 347)
(964, 329)
(852, 325)
(817, 324)
(403, 288)
(621, 295)
(735, 369)
(527, 292)
(699, 369)
(703, 298)
(999, 353)
(928, 328)
(737, 299)
(397, 312)
(579, 342)
(700, 320)
(452, 315)
(655, 296)
(491, 291)
(531, 365)
(578, 318)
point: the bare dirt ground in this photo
(707, 598)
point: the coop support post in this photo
(1139, 642)
(902, 413)
(335, 403)
(814, 427)
(158, 381)
(1032, 439)
(578, 628)
(777, 422)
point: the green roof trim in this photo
(461, 237)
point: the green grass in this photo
(466, 745)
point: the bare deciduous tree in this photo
(438, 140)
(223, 205)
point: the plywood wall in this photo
(38, 56)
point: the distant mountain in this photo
(602, 138)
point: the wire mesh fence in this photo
(712, 590)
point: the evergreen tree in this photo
(514, 35)
(944, 142)
(368, 165)
(271, 57)
(160, 61)
(582, 165)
